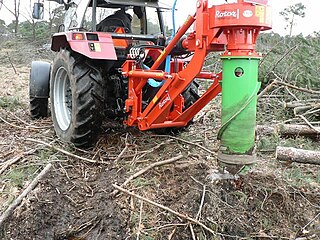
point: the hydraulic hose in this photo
(152, 82)
(168, 59)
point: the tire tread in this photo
(88, 115)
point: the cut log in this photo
(288, 130)
(265, 130)
(309, 103)
(297, 130)
(297, 155)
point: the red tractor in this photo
(114, 61)
(85, 80)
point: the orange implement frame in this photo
(232, 28)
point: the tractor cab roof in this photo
(121, 3)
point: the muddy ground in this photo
(76, 199)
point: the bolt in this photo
(229, 53)
(198, 43)
(198, 4)
(250, 53)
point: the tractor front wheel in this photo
(39, 89)
(76, 92)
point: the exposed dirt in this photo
(74, 200)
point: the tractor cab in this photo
(144, 17)
(129, 23)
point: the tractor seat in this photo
(111, 24)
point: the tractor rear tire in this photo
(77, 99)
(191, 94)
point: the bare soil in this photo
(74, 200)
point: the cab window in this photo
(153, 24)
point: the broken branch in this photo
(15, 159)
(309, 124)
(14, 69)
(62, 151)
(202, 202)
(294, 87)
(164, 208)
(188, 142)
(142, 171)
(17, 202)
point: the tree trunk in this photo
(291, 24)
(16, 26)
(297, 155)
(16, 15)
(34, 27)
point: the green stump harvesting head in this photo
(239, 100)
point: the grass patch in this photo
(19, 176)
(318, 177)
(142, 182)
(10, 103)
(268, 142)
(300, 142)
(298, 178)
(146, 237)
(46, 155)
(274, 140)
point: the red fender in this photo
(94, 45)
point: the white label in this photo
(247, 13)
(226, 13)
(164, 101)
